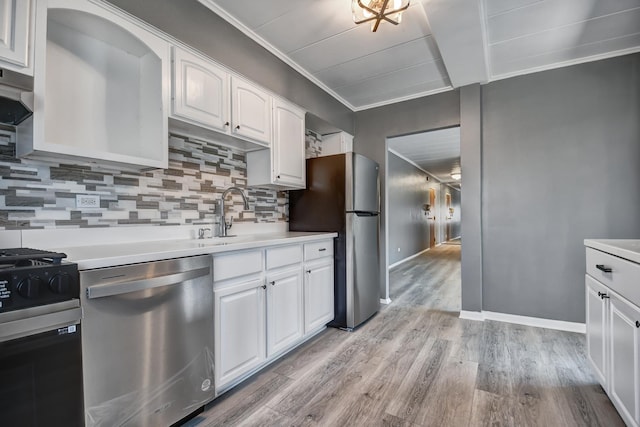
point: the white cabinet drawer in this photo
(236, 264)
(317, 250)
(620, 275)
(284, 255)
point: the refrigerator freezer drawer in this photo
(363, 268)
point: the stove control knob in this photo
(30, 287)
(60, 283)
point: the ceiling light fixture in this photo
(456, 176)
(376, 11)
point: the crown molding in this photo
(404, 98)
(564, 64)
(411, 162)
(275, 51)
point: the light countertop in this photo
(99, 256)
(624, 248)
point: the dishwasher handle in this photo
(100, 291)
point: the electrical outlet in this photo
(87, 201)
(398, 249)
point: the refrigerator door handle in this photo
(364, 213)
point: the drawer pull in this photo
(273, 283)
(322, 249)
(308, 271)
(637, 324)
(601, 267)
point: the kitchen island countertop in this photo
(624, 248)
(100, 256)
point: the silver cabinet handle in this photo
(99, 291)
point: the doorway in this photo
(447, 202)
(423, 195)
(432, 218)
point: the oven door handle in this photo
(34, 325)
(99, 291)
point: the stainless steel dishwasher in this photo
(147, 341)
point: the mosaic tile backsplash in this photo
(36, 194)
(313, 144)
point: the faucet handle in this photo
(230, 224)
(201, 232)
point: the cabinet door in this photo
(596, 328)
(15, 17)
(287, 149)
(318, 296)
(239, 330)
(284, 310)
(624, 338)
(251, 111)
(200, 91)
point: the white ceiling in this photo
(440, 44)
(436, 152)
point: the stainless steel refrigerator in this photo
(343, 195)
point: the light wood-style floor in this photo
(417, 364)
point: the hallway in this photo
(417, 363)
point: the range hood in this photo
(16, 97)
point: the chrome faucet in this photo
(223, 222)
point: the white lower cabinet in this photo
(597, 308)
(264, 307)
(318, 295)
(624, 379)
(239, 330)
(613, 330)
(284, 310)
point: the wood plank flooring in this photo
(417, 364)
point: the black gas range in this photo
(40, 345)
(33, 277)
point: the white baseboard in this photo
(395, 264)
(471, 315)
(385, 300)
(537, 322)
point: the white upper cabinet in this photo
(210, 97)
(200, 91)
(283, 166)
(101, 88)
(336, 143)
(287, 152)
(16, 34)
(251, 111)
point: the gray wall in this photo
(408, 192)
(561, 163)
(375, 125)
(471, 206)
(197, 26)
